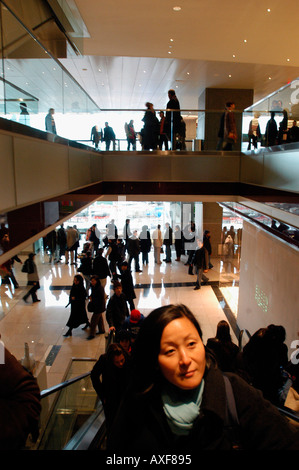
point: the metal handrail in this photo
(62, 385)
(241, 334)
(289, 413)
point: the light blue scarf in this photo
(182, 407)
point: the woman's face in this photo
(119, 361)
(182, 354)
(93, 282)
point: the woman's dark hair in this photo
(113, 350)
(223, 332)
(31, 256)
(96, 278)
(147, 344)
(80, 279)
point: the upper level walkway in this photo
(41, 172)
(34, 168)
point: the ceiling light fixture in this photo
(234, 56)
(169, 52)
(171, 40)
(268, 10)
(177, 8)
(245, 40)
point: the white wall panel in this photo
(41, 169)
(268, 283)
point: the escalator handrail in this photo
(289, 413)
(241, 336)
(62, 385)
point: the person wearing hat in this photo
(133, 323)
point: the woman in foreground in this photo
(177, 399)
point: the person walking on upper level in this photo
(230, 128)
(173, 117)
(50, 121)
(271, 131)
(96, 136)
(131, 135)
(163, 139)
(109, 136)
(150, 131)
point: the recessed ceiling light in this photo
(100, 70)
(177, 8)
(169, 52)
(234, 56)
(270, 78)
(268, 10)
(288, 60)
(188, 73)
(245, 40)
(229, 75)
(171, 40)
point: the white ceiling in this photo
(126, 59)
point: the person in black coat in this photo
(151, 128)
(134, 251)
(86, 268)
(199, 261)
(117, 308)
(178, 401)
(127, 284)
(173, 118)
(271, 131)
(100, 267)
(208, 248)
(222, 347)
(145, 243)
(110, 378)
(178, 242)
(168, 241)
(97, 305)
(77, 300)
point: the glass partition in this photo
(280, 112)
(32, 82)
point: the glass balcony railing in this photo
(32, 81)
(282, 107)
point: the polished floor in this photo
(42, 324)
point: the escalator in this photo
(73, 418)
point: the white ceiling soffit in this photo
(230, 44)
